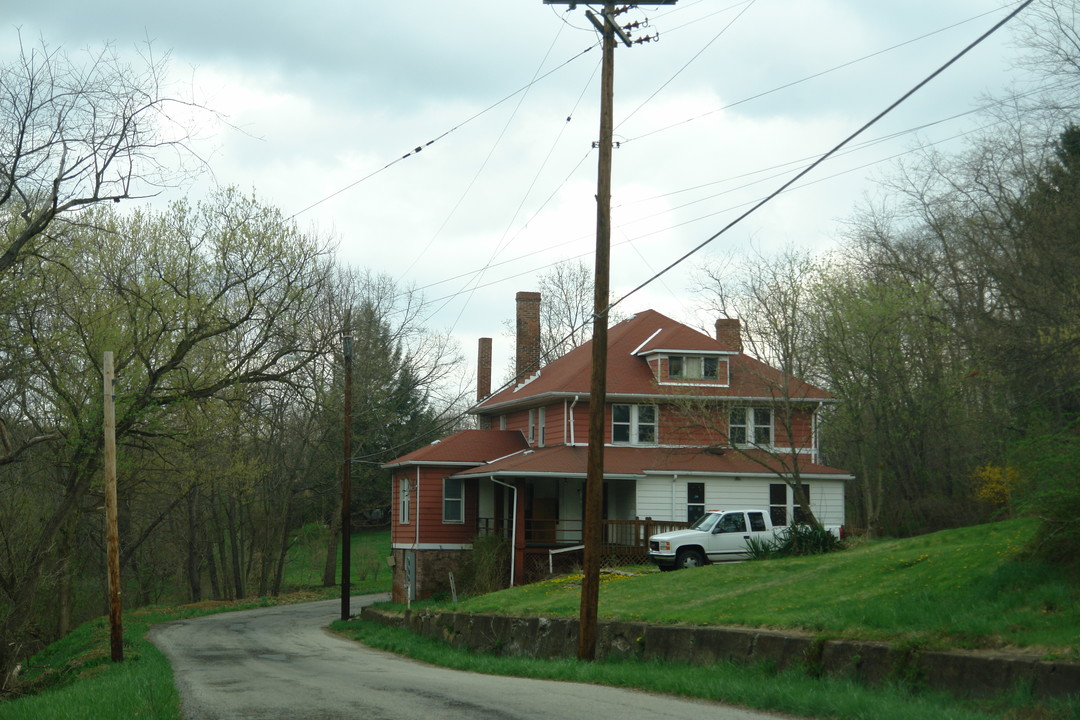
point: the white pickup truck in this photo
(716, 536)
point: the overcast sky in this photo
(317, 98)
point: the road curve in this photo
(281, 662)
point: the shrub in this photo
(794, 540)
(1050, 459)
(487, 567)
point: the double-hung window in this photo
(750, 426)
(633, 424)
(453, 503)
(695, 501)
(403, 500)
(693, 367)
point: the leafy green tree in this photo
(194, 302)
(405, 395)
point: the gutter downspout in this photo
(576, 397)
(416, 542)
(513, 529)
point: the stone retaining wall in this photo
(965, 673)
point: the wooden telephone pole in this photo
(346, 476)
(112, 533)
(594, 480)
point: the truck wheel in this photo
(689, 559)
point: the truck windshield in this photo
(705, 522)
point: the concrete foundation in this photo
(963, 673)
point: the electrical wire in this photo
(484, 164)
(826, 156)
(455, 419)
(793, 83)
(688, 63)
(419, 148)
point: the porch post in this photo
(519, 534)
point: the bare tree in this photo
(75, 133)
(769, 296)
(566, 310)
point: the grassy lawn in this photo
(74, 678)
(368, 570)
(963, 588)
(762, 687)
(959, 588)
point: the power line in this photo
(419, 148)
(487, 159)
(793, 83)
(689, 62)
(455, 418)
(829, 154)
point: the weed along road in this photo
(281, 662)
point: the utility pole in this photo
(112, 532)
(346, 475)
(594, 480)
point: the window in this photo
(731, 523)
(453, 500)
(750, 426)
(782, 504)
(532, 426)
(757, 521)
(695, 501)
(633, 424)
(540, 427)
(403, 501)
(502, 422)
(692, 367)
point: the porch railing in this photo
(625, 542)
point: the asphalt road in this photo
(281, 662)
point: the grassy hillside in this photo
(958, 588)
(74, 678)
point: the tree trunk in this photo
(211, 568)
(25, 586)
(329, 578)
(193, 569)
(802, 499)
(63, 591)
(283, 550)
(234, 546)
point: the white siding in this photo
(827, 501)
(664, 497)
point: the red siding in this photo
(683, 425)
(430, 507)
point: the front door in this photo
(545, 519)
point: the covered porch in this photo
(543, 518)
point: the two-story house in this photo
(691, 423)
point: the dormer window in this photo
(693, 367)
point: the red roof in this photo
(467, 447)
(629, 373)
(567, 460)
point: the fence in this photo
(555, 545)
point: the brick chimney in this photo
(528, 335)
(728, 333)
(483, 369)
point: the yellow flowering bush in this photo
(996, 484)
